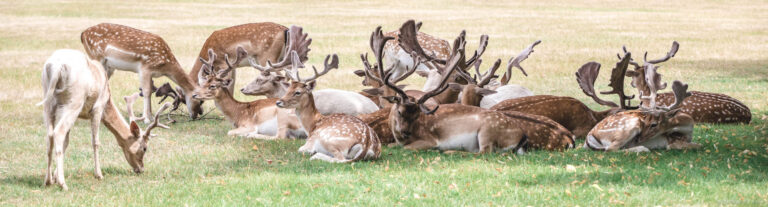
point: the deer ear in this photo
(372, 91)
(392, 99)
(310, 85)
(135, 131)
(485, 92)
(671, 113)
(360, 73)
(226, 82)
(401, 86)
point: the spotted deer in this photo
(702, 106)
(332, 138)
(264, 42)
(459, 127)
(119, 47)
(253, 119)
(76, 87)
(570, 112)
(651, 127)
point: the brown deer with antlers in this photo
(702, 106)
(460, 127)
(250, 119)
(332, 138)
(264, 42)
(570, 112)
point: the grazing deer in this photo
(460, 127)
(76, 87)
(264, 42)
(702, 106)
(250, 119)
(332, 138)
(651, 127)
(570, 112)
(125, 48)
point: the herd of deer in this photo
(454, 111)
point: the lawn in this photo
(724, 49)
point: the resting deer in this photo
(651, 127)
(76, 87)
(702, 106)
(460, 127)
(332, 138)
(264, 41)
(250, 119)
(570, 112)
(125, 48)
(273, 84)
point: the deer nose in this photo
(279, 103)
(194, 95)
(242, 90)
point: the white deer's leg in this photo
(324, 157)
(95, 123)
(240, 131)
(146, 91)
(48, 172)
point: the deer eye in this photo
(296, 93)
(211, 87)
(145, 149)
(654, 124)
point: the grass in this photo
(195, 163)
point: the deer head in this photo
(645, 78)
(300, 91)
(374, 73)
(136, 145)
(214, 81)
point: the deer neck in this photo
(279, 91)
(117, 125)
(469, 96)
(177, 75)
(227, 104)
(307, 113)
(600, 115)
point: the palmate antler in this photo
(479, 79)
(515, 62)
(587, 75)
(331, 62)
(297, 42)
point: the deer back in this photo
(126, 43)
(566, 111)
(710, 107)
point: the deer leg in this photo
(240, 131)
(638, 149)
(420, 145)
(95, 123)
(48, 173)
(323, 157)
(146, 84)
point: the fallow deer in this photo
(332, 138)
(250, 119)
(702, 106)
(461, 127)
(570, 112)
(651, 127)
(120, 47)
(76, 87)
(264, 42)
(272, 84)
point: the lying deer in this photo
(702, 106)
(570, 112)
(332, 138)
(460, 127)
(129, 49)
(651, 127)
(264, 41)
(250, 119)
(76, 87)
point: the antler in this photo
(631, 61)
(453, 63)
(617, 82)
(297, 42)
(654, 83)
(586, 77)
(515, 62)
(669, 55)
(409, 42)
(408, 71)
(241, 53)
(681, 92)
(155, 122)
(328, 66)
(485, 78)
(207, 67)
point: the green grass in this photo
(723, 49)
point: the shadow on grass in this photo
(29, 181)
